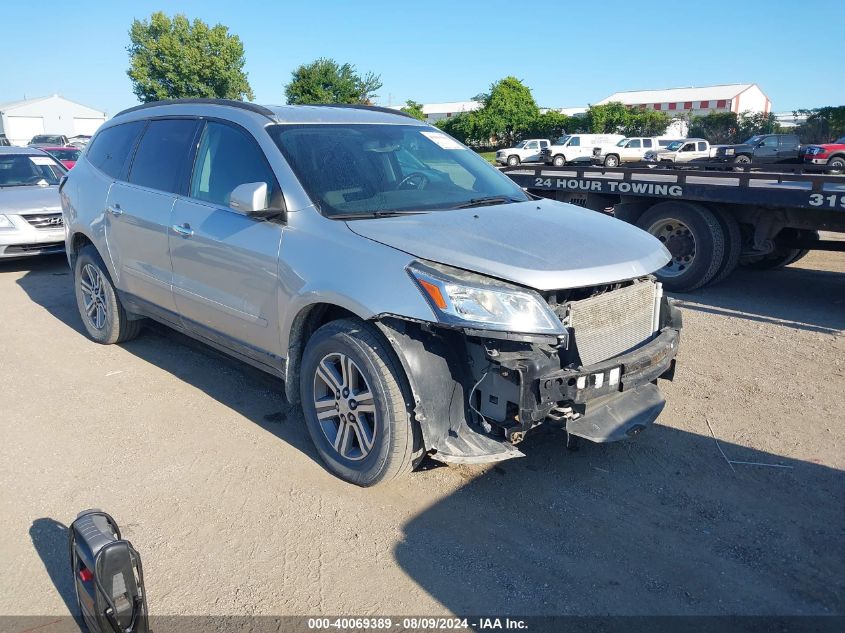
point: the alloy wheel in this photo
(345, 407)
(93, 288)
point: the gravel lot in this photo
(214, 479)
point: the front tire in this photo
(103, 315)
(559, 161)
(513, 161)
(355, 399)
(611, 161)
(836, 165)
(741, 162)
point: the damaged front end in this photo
(478, 392)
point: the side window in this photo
(634, 143)
(162, 154)
(111, 148)
(228, 157)
(646, 142)
(544, 143)
(575, 141)
(702, 147)
(788, 141)
(531, 145)
(770, 141)
(689, 147)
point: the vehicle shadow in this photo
(244, 389)
(662, 525)
(816, 298)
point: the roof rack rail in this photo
(356, 106)
(243, 105)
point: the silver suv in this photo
(414, 300)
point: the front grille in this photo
(45, 220)
(614, 322)
(45, 247)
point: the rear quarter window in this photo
(162, 155)
(111, 147)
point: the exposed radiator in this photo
(612, 323)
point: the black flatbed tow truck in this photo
(710, 219)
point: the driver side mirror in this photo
(250, 199)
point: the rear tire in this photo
(781, 256)
(733, 243)
(100, 308)
(611, 161)
(695, 239)
(836, 165)
(559, 161)
(513, 161)
(379, 440)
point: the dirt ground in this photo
(214, 479)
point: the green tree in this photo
(823, 124)
(716, 127)
(414, 109)
(646, 123)
(751, 123)
(508, 110)
(467, 127)
(326, 81)
(551, 125)
(609, 118)
(175, 58)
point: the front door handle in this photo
(184, 230)
(114, 209)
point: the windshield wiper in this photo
(483, 202)
(371, 214)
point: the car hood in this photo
(30, 199)
(540, 244)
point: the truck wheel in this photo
(741, 161)
(733, 243)
(353, 394)
(694, 238)
(103, 315)
(559, 161)
(611, 161)
(781, 256)
(513, 161)
(836, 165)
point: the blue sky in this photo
(569, 53)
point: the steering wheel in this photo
(414, 180)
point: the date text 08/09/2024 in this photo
(417, 624)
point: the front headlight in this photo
(729, 151)
(815, 150)
(460, 298)
(6, 222)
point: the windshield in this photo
(563, 139)
(45, 138)
(753, 140)
(622, 142)
(65, 154)
(674, 145)
(364, 170)
(17, 170)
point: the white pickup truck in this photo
(628, 150)
(572, 148)
(684, 150)
(527, 151)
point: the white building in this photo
(436, 111)
(21, 120)
(790, 119)
(697, 101)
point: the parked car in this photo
(49, 140)
(527, 151)
(407, 316)
(830, 154)
(79, 141)
(681, 151)
(67, 156)
(571, 148)
(30, 211)
(761, 148)
(628, 150)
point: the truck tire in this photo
(695, 240)
(836, 165)
(611, 160)
(781, 256)
(513, 160)
(741, 161)
(559, 160)
(365, 440)
(733, 243)
(100, 308)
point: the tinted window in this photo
(162, 154)
(789, 141)
(702, 147)
(544, 143)
(227, 158)
(646, 142)
(19, 170)
(635, 143)
(112, 146)
(770, 141)
(689, 147)
(575, 141)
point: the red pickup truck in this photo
(830, 154)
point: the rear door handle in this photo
(184, 230)
(114, 209)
